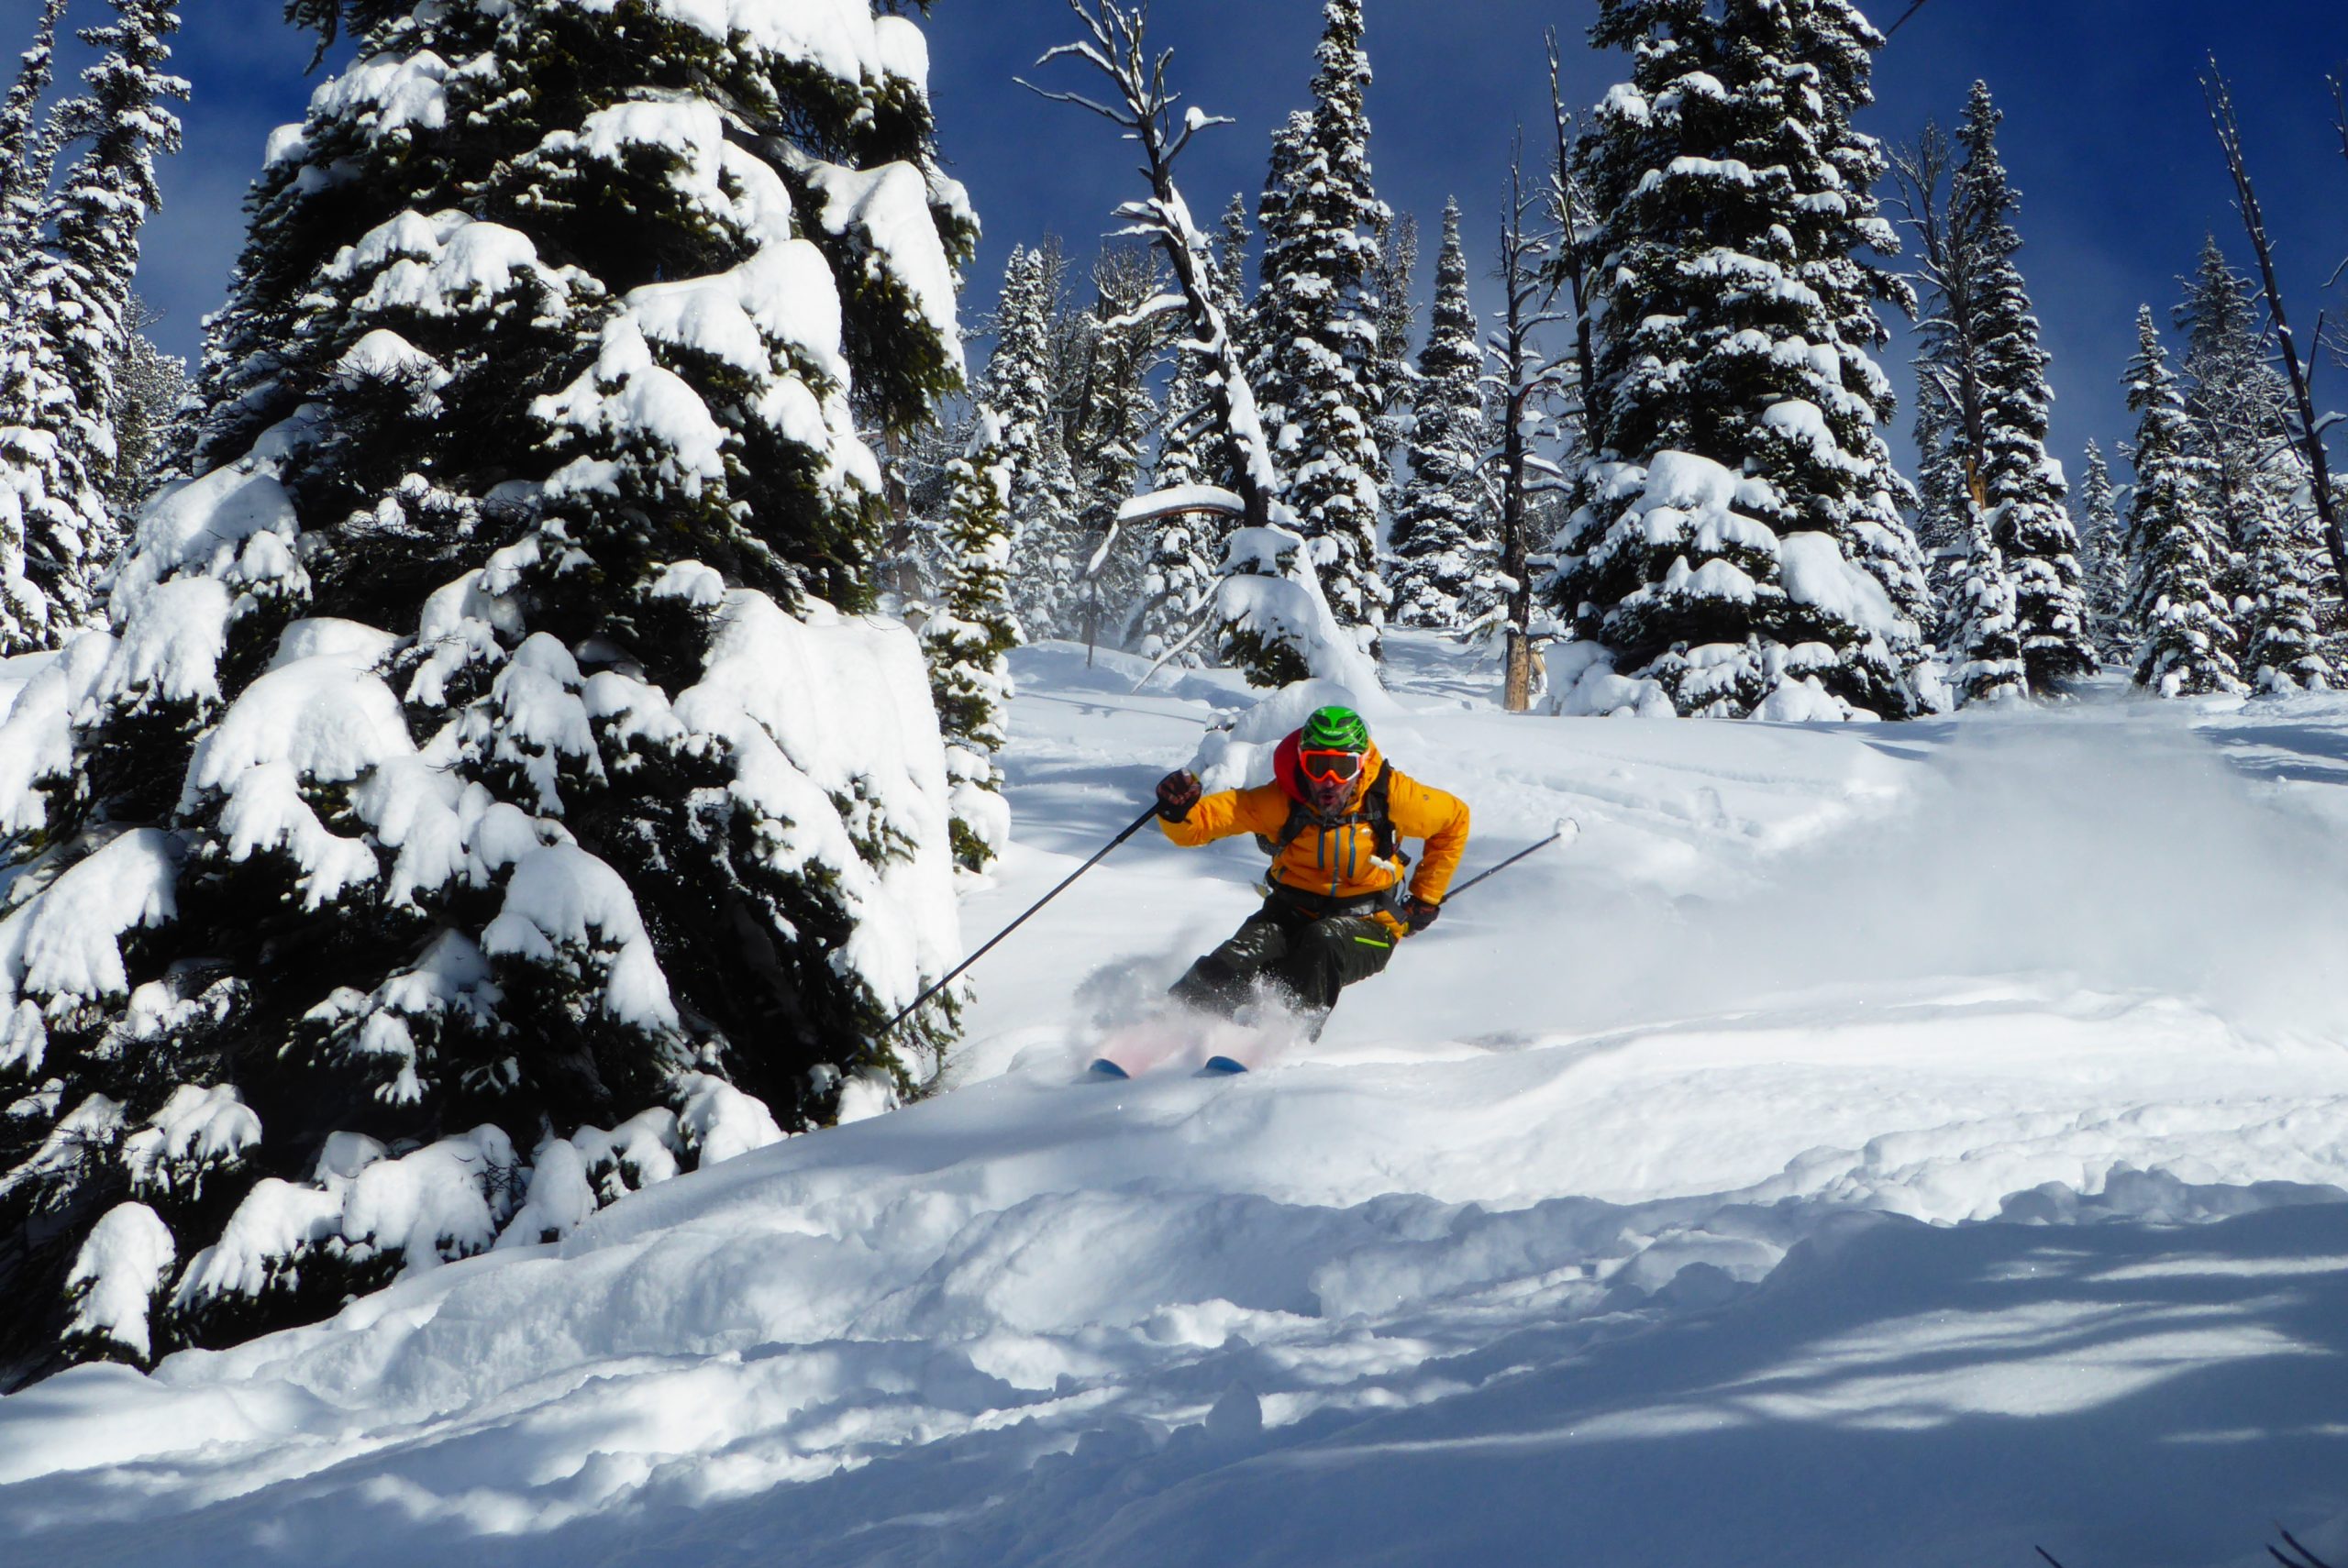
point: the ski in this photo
(1222, 1067)
(1107, 1071)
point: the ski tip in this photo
(1106, 1068)
(1222, 1067)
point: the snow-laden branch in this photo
(1114, 45)
(1182, 500)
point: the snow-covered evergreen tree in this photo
(2283, 641)
(2024, 488)
(1317, 327)
(1195, 449)
(1738, 540)
(27, 148)
(150, 388)
(72, 293)
(2239, 405)
(2105, 541)
(481, 804)
(1022, 388)
(2175, 545)
(968, 638)
(1986, 663)
(28, 145)
(1111, 410)
(1442, 538)
(1177, 590)
(1397, 276)
(1944, 489)
(1268, 320)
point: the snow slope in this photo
(1909, 1144)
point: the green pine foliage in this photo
(2023, 486)
(1735, 367)
(969, 640)
(72, 258)
(1022, 383)
(480, 792)
(1316, 325)
(2104, 538)
(2176, 549)
(1442, 540)
(2239, 408)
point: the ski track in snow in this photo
(1908, 1144)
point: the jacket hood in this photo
(1289, 770)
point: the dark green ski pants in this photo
(1310, 959)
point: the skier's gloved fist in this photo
(1419, 914)
(1177, 794)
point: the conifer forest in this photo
(589, 590)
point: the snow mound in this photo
(1768, 1138)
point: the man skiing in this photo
(1333, 818)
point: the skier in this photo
(1333, 819)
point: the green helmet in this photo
(1335, 729)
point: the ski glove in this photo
(1177, 794)
(1421, 914)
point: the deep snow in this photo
(1869, 1144)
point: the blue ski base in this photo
(1107, 1071)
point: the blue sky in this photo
(2105, 135)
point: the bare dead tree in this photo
(1527, 380)
(1142, 106)
(1570, 210)
(1947, 262)
(1905, 17)
(2339, 123)
(2298, 1556)
(2219, 97)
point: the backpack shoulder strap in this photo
(1377, 812)
(1299, 817)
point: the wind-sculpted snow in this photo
(1758, 1182)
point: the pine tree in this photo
(28, 145)
(1317, 325)
(149, 387)
(2106, 542)
(2174, 547)
(2284, 646)
(1442, 537)
(1945, 523)
(1986, 663)
(1270, 320)
(1398, 269)
(1111, 409)
(1177, 589)
(1193, 447)
(57, 440)
(968, 639)
(2024, 486)
(482, 740)
(1021, 383)
(2238, 406)
(1738, 540)
(28, 150)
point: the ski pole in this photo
(1139, 822)
(1565, 829)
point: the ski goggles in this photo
(1330, 766)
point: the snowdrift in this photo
(1887, 1144)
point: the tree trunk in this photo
(2327, 506)
(1519, 690)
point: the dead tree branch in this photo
(2219, 97)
